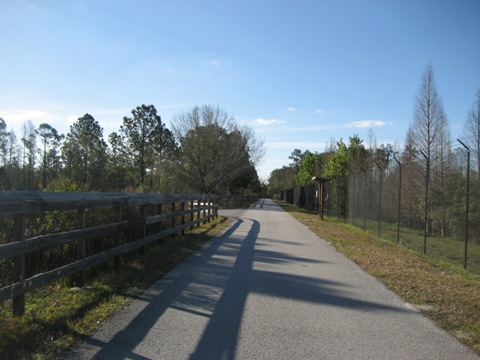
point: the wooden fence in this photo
(155, 216)
(236, 201)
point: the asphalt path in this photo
(269, 288)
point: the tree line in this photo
(204, 152)
(428, 137)
(432, 159)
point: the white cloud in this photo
(295, 145)
(366, 123)
(71, 119)
(267, 122)
(298, 129)
(291, 109)
(18, 117)
(320, 111)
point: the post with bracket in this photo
(321, 197)
(467, 204)
(81, 250)
(19, 264)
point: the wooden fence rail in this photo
(151, 220)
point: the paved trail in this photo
(268, 288)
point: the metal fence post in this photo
(380, 202)
(364, 199)
(352, 197)
(399, 197)
(467, 204)
(427, 176)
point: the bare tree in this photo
(471, 132)
(3, 141)
(214, 151)
(430, 133)
(429, 120)
(50, 150)
(29, 139)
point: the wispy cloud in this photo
(291, 109)
(319, 111)
(19, 116)
(366, 123)
(298, 129)
(70, 119)
(295, 145)
(268, 122)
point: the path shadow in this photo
(228, 264)
(160, 297)
(221, 336)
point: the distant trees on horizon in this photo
(143, 156)
(434, 169)
(428, 134)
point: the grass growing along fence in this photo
(447, 249)
(29, 260)
(57, 316)
(447, 294)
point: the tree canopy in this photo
(215, 154)
(144, 139)
(210, 153)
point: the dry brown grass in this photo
(447, 294)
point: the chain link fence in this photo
(435, 212)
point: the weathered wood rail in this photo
(158, 216)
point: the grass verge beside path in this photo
(57, 316)
(449, 295)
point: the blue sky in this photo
(298, 72)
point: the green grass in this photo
(444, 292)
(57, 316)
(447, 249)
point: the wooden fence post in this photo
(143, 230)
(209, 210)
(19, 264)
(191, 213)
(80, 279)
(204, 211)
(116, 259)
(183, 217)
(174, 219)
(159, 212)
(198, 212)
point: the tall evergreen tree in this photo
(84, 154)
(50, 152)
(145, 139)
